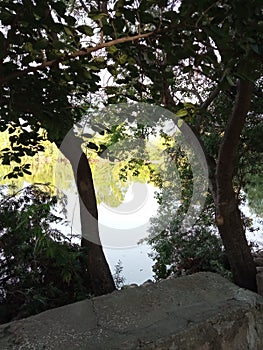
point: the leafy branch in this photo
(79, 53)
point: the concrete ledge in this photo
(201, 311)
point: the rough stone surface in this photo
(258, 258)
(203, 311)
(259, 261)
(260, 282)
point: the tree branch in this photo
(215, 92)
(80, 53)
(211, 97)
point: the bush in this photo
(39, 267)
(185, 252)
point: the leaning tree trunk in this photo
(228, 216)
(96, 269)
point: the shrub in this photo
(39, 266)
(185, 252)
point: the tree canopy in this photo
(52, 52)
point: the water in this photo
(116, 222)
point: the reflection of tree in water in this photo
(42, 167)
(50, 166)
(109, 189)
(113, 179)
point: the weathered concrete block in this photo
(260, 282)
(203, 311)
(259, 261)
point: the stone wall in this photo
(258, 258)
(201, 311)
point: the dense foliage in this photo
(39, 266)
(178, 253)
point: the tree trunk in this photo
(95, 267)
(228, 216)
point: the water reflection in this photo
(124, 208)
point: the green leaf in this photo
(189, 105)
(180, 122)
(87, 30)
(66, 276)
(6, 161)
(122, 58)
(70, 19)
(59, 7)
(146, 17)
(68, 31)
(112, 49)
(181, 113)
(58, 45)
(230, 81)
(130, 15)
(119, 24)
(87, 75)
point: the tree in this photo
(219, 43)
(46, 72)
(146, 46)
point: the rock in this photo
(203, 311)
(260, 283)
(147, 283)
(258, 261)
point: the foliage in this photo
(180, 252)
(48, 70)
(254, 190)
(128, 156)
(43, 167)
(206, 43)
(191, 53)
(36, 32)
(39, 266)
(202, 50)
(118, 278)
